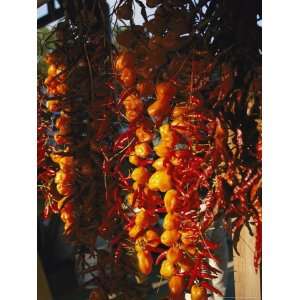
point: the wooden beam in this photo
(247, 281)
(42, 2)
(57, 14)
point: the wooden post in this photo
(247, 281)
(43, 291)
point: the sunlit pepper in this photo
(171, 221)
(170, 237)
(124, 60)
(167, 269)
(140, 175)
(142, 150)
(171, 201)
(176, 285)
(160, 181)
(198, 293)
(145, 262)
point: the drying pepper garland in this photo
(193, 143)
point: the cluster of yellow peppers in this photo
(64, 177)
(142, 232)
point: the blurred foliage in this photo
(45, 43)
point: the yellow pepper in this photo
(160, 181)
(142, 150)
(171, 201)
(140, 175)
(170, 237)
(135, 231)
(171, 221)
(142, 219)
(162, 150)
(167, 269)
(159, 164)
(134, 159)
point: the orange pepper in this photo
(174, 255)
(124, 60)
(152, 238)
(131, 115)
(61, 139)
(61, 89)
(135, 186)
(176, 285)
(157, 109)
(130, 199)
(52, 70)
(66, 163)
(63, 177)
(53, 105)
(140, 244)
(128, 77)
(145, 262)
(165, 91)
(198, 293)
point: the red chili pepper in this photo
(161, 257)
(197, 101)
(123, 139)
(117, 254)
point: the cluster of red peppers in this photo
(150, 151)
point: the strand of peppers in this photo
(64, 176)
(183, 259)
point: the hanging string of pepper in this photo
(207, 124)
(154, 139)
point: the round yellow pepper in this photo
(159, 164)
(140, 175)
(162, 150)
(170, 237)
(142, 150)
(167, 269)
(134, 159)
(160, 181)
